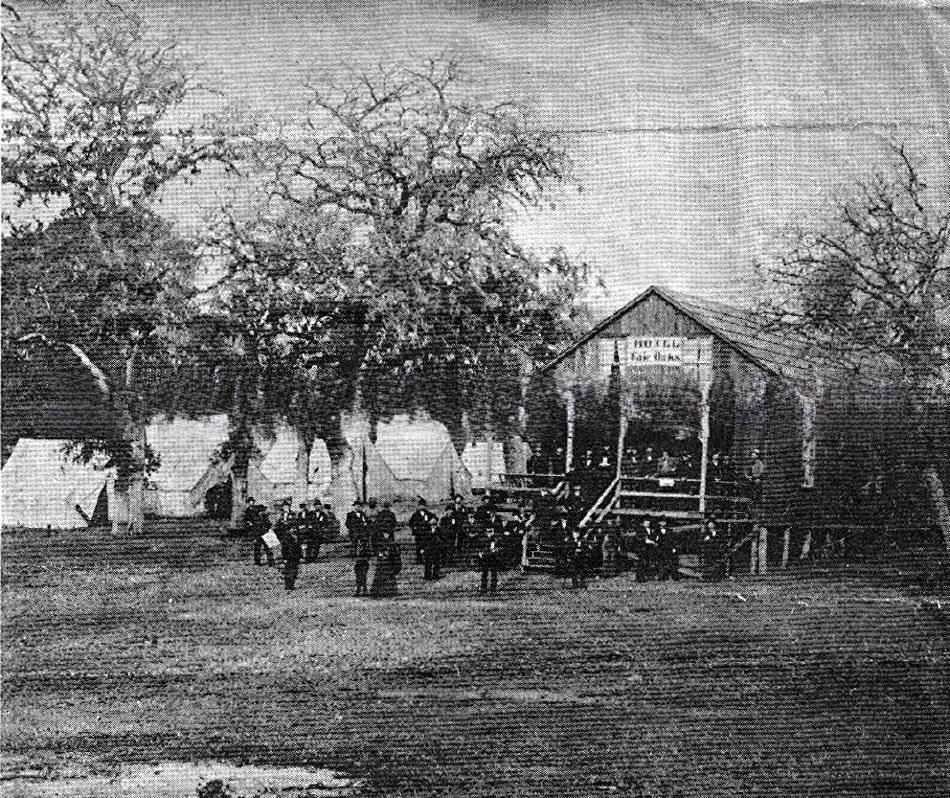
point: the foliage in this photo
(872, 281)
(88, 107)
(420, 179)
(88, 99)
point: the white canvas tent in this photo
(279, 468)
(380, 481)
(423, 459)
(185, 448)
(447, 477)
(485, 461)
(42, 486)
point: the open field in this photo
(176, 648)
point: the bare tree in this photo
(872, 284)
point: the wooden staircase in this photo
(632, 498)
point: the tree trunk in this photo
(120, 506)
(302, 477)
(238, 495)
(136, 524)
(129, 509)
(938, 502)
(786, 545)
(343, 472)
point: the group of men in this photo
(298, 536)
(463, 535)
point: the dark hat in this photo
(327, 507)
(422, 501)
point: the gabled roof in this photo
(783, 353)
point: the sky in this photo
(696, 131)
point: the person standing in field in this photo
(290, 549)
(421, 525)
(434, 545)
(575, 554)
(384, 526)
(356, 525)
(363, 552)
(388, 566)
(331, 524)
(669, 561)
(713, 560)
(308, 534)
(489, 557)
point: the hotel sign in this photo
(655, 351)
(647, 352)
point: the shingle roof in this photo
(785, 353)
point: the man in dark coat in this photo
(489, 556)
(575, 557)
(713, 553)
(356, 525)
(669, 560)
(483, 519)
(363, 552)
(330, 530)
(434, 544)
(256, 525)
(308, 532)
(384, 526)
(458, 524)
(388, 566)
(421, 523)
(290, 549)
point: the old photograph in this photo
(490, 398)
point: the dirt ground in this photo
(173, 647)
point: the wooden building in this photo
(713, 378)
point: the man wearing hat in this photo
(755, 474)
(421, 523)
(362, 553)
(384, 527)
(356, 525)
(457, 525)
(648, 550)
(668, 556)
(489, 556)
(291, 553)
(330, 527)
(308, 525)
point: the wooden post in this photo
(806, 546)
(786, 545)
(569, 444)
(620, 441)
(704, 443)
(763, 549)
